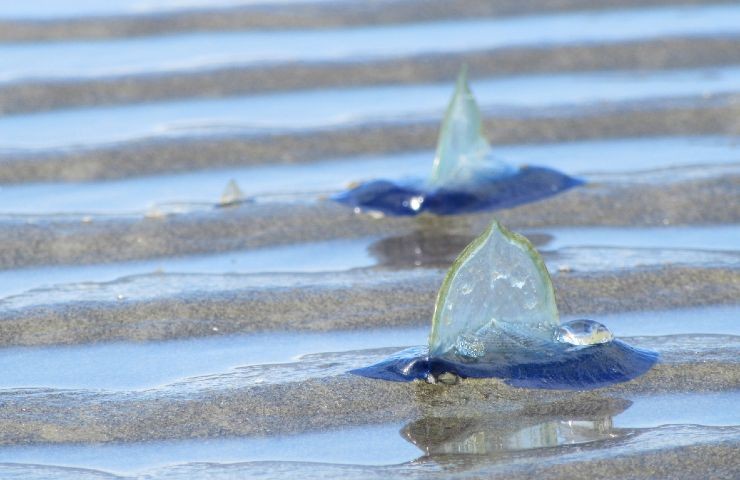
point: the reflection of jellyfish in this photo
(428, 248)
(465, 176)
(419, 248)
(496, 316)
(498, 433)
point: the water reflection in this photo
(507, 433)
(419, 248)
(429, 248)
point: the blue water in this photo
(715, 320)
(204, 50)
(627, 155)
(724, 237)
(203, 188)
(56, 9)
(367, 445)
(336, 107)
(673, 243)
(711, 409)
(145, 365)
(384, 444)
(142, 365)
(381, 444)
(305, 257)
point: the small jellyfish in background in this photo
(466, 177)
(496, 317)
(232, 195)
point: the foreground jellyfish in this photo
(465, 176)
(496, 316)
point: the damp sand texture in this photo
(150, 329)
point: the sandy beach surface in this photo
(147, 331)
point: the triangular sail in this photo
(232, 194)
(463, 154)
(497, 296)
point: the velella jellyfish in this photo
(496, 317)
(466, 177)
(232, 195)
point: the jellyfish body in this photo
(525, 185)
(466, 177)
(496, 316)
(550, 368)
(232, 195)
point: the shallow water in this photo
(628, 155)
(202, 190)
(391, 443)
(54, 9)
(135, 366)
(719, 320)
(215, 386)
(510, 434)
(589, 249)
(332, 108)
(600, 259)
(303, 182)
(709, 409)
(309, 257)
(614, 248)
(368, 445)
(205, 50)
(711, 237)
(154, 286)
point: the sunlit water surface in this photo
(282, 112)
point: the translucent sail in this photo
(496, 317)
(463, 154)
(497, 297)
(232, 194)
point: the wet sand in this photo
(40, 95)
(474, 429)
(685, 116)
(324, 302)
(662, 461)
(99, 240)
(297, 15)
(331, 401)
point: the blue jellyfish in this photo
(496, 317)
(466, 177)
